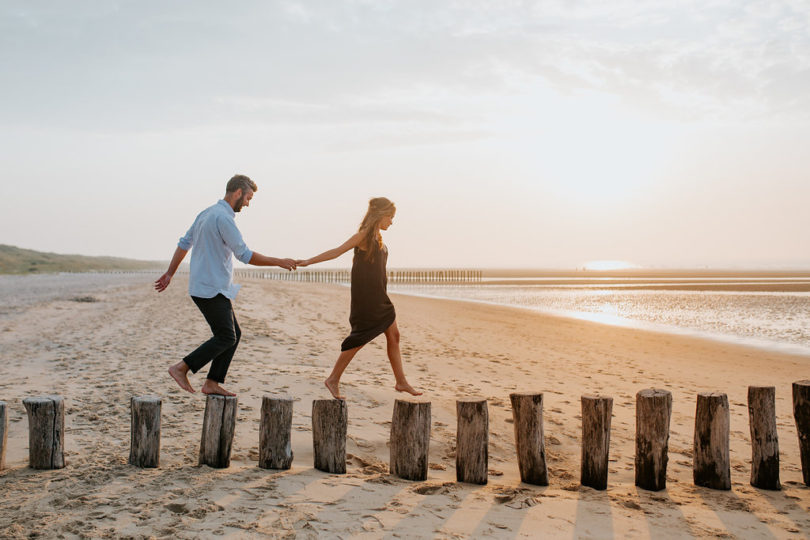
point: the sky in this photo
(544, 134)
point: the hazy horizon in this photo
(524, 135)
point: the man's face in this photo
(244, 200)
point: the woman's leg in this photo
(333, 381)
(395, 357)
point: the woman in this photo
(372, 313)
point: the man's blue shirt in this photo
(214, 237)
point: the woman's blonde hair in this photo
(378, 208)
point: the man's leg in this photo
(220, 364)
(218, 312)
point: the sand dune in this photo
(98, 354)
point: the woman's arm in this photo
(352, 242)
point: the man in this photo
(215, 239)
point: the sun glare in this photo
(609, 265)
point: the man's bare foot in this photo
(407, 388)
(181, 377)
(211, 387)
(333, 388)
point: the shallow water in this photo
(17, 292)
(776, 320)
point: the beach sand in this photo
(99, 354)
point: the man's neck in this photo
(231, 201)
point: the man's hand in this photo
(162, 282)
(287, 264)
(301, 263)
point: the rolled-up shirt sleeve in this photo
(187, 240)
(233, 239)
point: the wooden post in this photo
(275, 446)
(330, 418)
(801, 414)
(711, 465)
(46, 432)
(527, 414)
(596, 416)
(653, 412)
(410, 439)
(219, 424)
(3, 433)
(472, 441)
(144, 448)
(764, 439)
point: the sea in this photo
(769, 310)
(18, 292)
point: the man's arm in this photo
(233, 239)
(164, 280)
(257, 259)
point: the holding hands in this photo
(287, 264)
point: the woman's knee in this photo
(393, 336)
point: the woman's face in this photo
(386, 222)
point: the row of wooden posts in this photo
(447, 276)
(410, 436)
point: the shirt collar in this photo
(224, 203)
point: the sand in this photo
(98, 354)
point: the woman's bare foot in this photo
(407, 388)
(179, 373)
(212, 387)
(334, 388)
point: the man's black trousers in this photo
(218, 350)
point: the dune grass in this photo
(14, 260)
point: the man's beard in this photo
(239, 204)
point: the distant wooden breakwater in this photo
(428, 277)
(410, 436)
(448, 276)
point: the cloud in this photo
(135, 66)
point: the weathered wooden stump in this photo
(46, 432)
(801, 414)
(764, 439)
(527, 414)
(330, 418)
(653, 412)
(472, 441)
(219, 424)
(275, 446)
(596, 416)
(410, 439)
(144, 449)
(711, 464)
(3, 433)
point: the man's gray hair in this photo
(240, 181)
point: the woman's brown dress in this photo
(372, 311)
